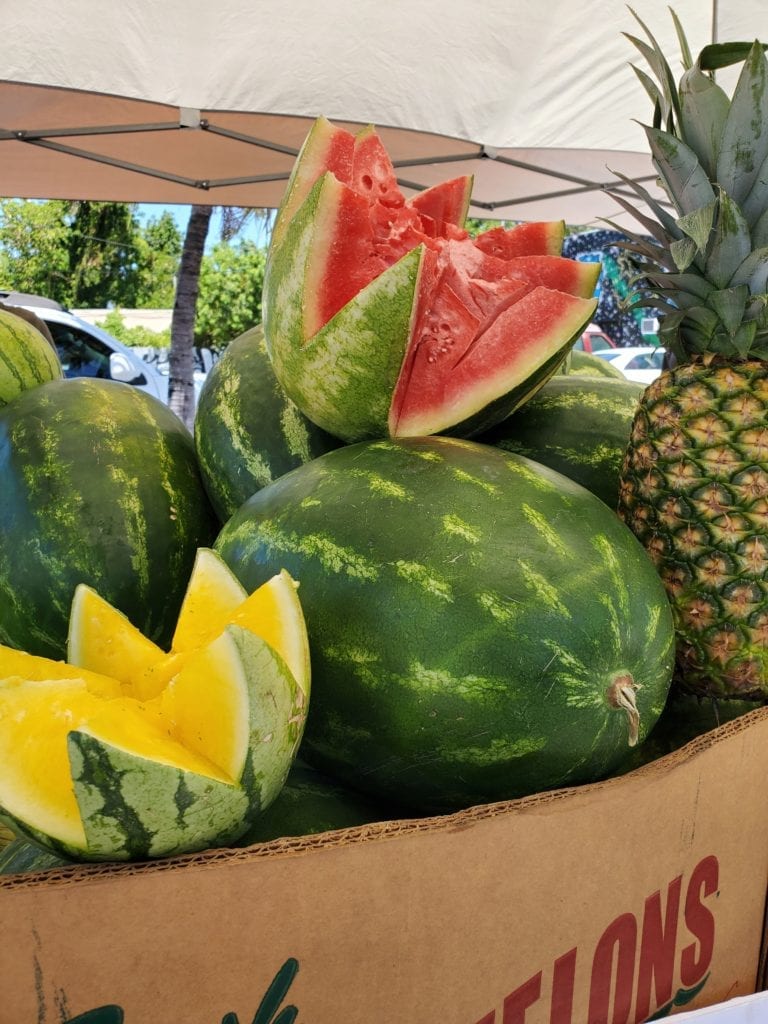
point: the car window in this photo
(81, 354)
(641, 362)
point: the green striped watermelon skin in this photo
(577, 425)
(586, 364)
(468, 611)
(100, 486)
(21, 856)
(247, 431)
(311, 802)
(26, 357)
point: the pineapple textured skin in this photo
(694, 490)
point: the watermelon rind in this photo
(585, 364)
(133, 808)
(470, 615)
(247, 431)
(311, 802)
(22, 856)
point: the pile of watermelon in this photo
(407, 437)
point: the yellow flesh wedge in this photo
(273, 612)
(207, 705)
(102, 639)
(34, 667)
(212, 595)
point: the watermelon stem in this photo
(621, 695)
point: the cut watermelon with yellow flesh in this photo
(273, 612)
(102, 639)
(237, 702)
(377, 307)
(97, 778)
(97, 767)
(51, 784)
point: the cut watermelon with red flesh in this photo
(466, 337)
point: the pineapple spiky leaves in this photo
(694, 485)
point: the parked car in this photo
(642, 364)
(86, 350)
(594, 339)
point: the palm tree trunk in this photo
(181, 363)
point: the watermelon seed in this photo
(621, 695)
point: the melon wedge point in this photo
(326, 147)
(212, 595)
(272, 612)
(103, 640)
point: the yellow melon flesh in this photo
(104, 640)
(34, 667)
(212, 595)
(207, 705)
(36, 717)
(273, 612)
(35, 786)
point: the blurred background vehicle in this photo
(86, 350)
(594, 339)
(642, 364)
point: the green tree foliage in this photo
(159, 252)
(33, 247)
(88, 255)
(229, 300)
(103, 254)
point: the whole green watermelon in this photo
(311, 802)
(247, 431)
(579, 426)
(480, 626)
(100, 485)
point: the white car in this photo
(642, 364)
(86, 350)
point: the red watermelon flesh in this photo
(444, 206)
(497, 363)
(536, 238)
(468, 289)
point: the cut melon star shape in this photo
(93, 771)
(382, 316)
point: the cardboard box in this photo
(602, 904)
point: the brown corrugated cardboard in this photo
(602, 904)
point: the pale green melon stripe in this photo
(229, 414)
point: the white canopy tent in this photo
(183, 102)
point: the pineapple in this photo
(694, 485)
